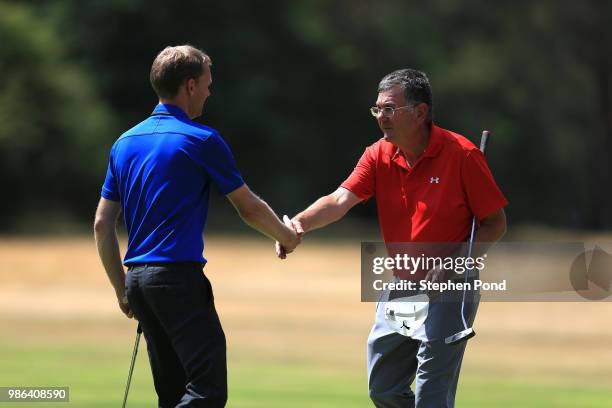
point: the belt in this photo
(168, 265)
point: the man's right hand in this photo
(296, 232)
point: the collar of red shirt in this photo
(433, 146)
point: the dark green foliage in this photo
(292, 85)
(53, 127)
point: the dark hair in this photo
(415, 85)
(175, 65)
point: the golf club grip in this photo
(484, 140)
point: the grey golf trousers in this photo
(396, 362)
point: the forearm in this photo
(263, 219)
(110, 255)
(490, 233)
(322, 212)
(491, 230)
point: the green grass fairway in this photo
(96, 376)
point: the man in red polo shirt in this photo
(428, 183)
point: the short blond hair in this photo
(175, 65)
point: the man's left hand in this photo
(124, 305)
(435, 275)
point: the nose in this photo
(382, 118)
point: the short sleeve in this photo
(362, 181)
(483, 195)
(218, 161)
(110, 190)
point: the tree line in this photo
(292, 84)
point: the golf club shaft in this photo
(134, 353)
(484, 141)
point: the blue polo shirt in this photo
(161, 172)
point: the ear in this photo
(191, 86)
(421, 110)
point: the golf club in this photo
(134, 353)
(468, 332)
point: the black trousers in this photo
(174, 304)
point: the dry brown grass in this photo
(305, 308)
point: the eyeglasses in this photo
(387, 111)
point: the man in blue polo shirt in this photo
(160, 173)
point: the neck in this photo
(176, 102)
(415, 144)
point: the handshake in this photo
(294, 237)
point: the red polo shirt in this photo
(434, 200)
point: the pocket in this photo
(129, 281)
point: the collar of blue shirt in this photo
(167, 109)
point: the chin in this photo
(390, 139)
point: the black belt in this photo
(168, 264)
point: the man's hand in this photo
(125, 306)
(435, 275)
(257, 214)
(282, 249)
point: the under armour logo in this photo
(434, 180)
